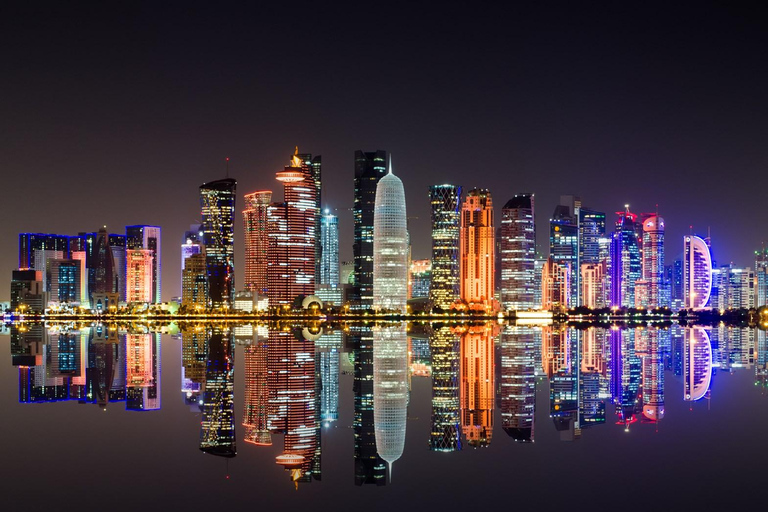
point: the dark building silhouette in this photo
(369, 169)
(217, 202)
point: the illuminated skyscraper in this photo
(518, 253)
(369, 169)
(591, 230)
(256, 240)
(477, 385)
(292, 236)
(139, 268)
(419, 278)
(653, 280)
(560, 361)
(217, 201)
(564, 241)
(390, 390)
(593, 283)
(390, 245)
(103, 276)
(626, 267)
(446, 409)
(194, 281)
(555, 285)
(444, 287)
(761, 277)
(697, 272)
(63, 281)
(477, 248)
(313, 165)
(217, 428)
(517, 383)
(148, 238)
(191, 244)
(329, 241)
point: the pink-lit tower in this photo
(256, 240)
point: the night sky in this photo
(116, 114)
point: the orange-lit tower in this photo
(476, 243)
(139, 275)
(477, 381)
(256, 240)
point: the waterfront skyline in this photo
(570, 116)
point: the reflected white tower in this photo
(390, 245)
(390, 390)
(697, 364)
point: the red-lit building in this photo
(256, 240)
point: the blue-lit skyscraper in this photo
(329, 240)
(564, 241)
(626, 267)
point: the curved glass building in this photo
(390, 390)
(697, 272)
(390, 245)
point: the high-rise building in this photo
(369, 169)
(139, 271)
(517, 247)
(191, 244)
(555, 285)
(761, 277)
(591, 230)
(735, 288)
(697, 272)
(419, 279)
(594, 291)
(194, 282)
(329, 241)
(390, 390)
(148, 238)
(313, 165)
(390, 245)
(63, 281)
(293, 234)
(626, 267)
(564, 241)
(477, 385)
(256, 240)
(477, 248)
(217, 202)
(653, 279)
(25, 284)
(444, 287)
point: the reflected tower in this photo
(217, 428)
(446, 420)
(477, 385)
(390, 391)
(517, 383)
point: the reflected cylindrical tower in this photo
(390, 390)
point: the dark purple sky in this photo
(116, 115)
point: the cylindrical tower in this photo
(390, 245)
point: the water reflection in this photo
(294, 378)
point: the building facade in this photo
(444, 288)
(390, 245)
(217, 201)
(477, 248)
(517, 253)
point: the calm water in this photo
(375, 418)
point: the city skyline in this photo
(628, 112)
